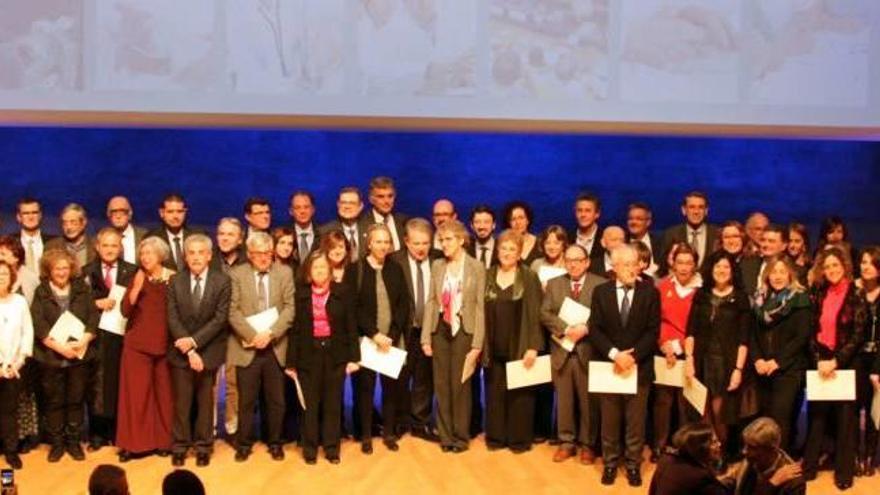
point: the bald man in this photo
(612, 237)
(119, 215)
(444, 210)
(756, 224)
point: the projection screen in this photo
(807, 67)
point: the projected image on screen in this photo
(525, 64)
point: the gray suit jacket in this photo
(472, 305)
(557, 290)
(244, 303)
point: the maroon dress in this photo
(146, 410)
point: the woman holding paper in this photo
(780, 343)
(717, 343)
(321, 350)
(145, 401)
(62, 356)
(513, 333)
(383, 315)
(16, 345)
(838, 335)
(452, 333)
(869, 292)
(677, 292)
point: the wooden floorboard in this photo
(419, 467)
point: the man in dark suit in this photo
(173, 231)
(302, 211)
(587, 210)
(119, 215)
(74, 239)
(483, 247)
(349, 206)
(102, 392)
(696, 231)
(382, 196)
(29, 214)
(570, 367)
(774, 241)
(624, 328)
(198, 309)
(258, 215)
(416, 376)
(612, 238)
(259, 353)
(639, 218)
(229, 250)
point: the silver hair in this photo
(260, 241)
(159, 246)
(198, 239)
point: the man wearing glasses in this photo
(119, 215)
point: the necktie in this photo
(624, 306)
(197, 292)
(483, 250)
(30, 257)
(420, 295)
(108, 276)
(122, 247)
(303, 245)
(695, 241)
(352, 239)
(261, 292)
(178, 254)
(576, 290)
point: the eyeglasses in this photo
(574, 260)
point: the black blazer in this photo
(787, 339)
(218, 262)
(850, 327)
(678, 233)
(731, 326)
(597, 253)
(207, 325)
(343, 346)
(93, 273)
(163, 234)
(362, 277)
(45, 311)
(642, 329)
(472, 250)
(402, 259)
(400, 220)
(337, 225)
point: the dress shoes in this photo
(843, 484)
(588, 456)
(446, 448)
(242, 455)
(633, 477)
(177, 459)
(203, 459)
(56, 453)
(367, 447)
(276, 452)
(76, 451)
(311, 461)
(13, 460)
(609, 474)
(333, 459)
(124, 455)
(391, 444)
(563, 454)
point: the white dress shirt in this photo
(129, 245)
(490, 251)
(16, 330)
(310, 237)
(388, 220)
(588, 240)
(701, 239)
(36, 244)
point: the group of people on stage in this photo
(747, 308)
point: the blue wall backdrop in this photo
(218, 169)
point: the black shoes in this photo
(242, 455)
(276, 452)
(96, 444)
(56, 453)
(446, 448)
(425, 433)
(391, 444)
(203, 459)
(633, 477)
(311, 461)
(177, 459)
(76, 451)
(609, 474)
(367, 447)
(13, 460)
(843, 484)
(124, 456)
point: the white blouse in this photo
(16, 330)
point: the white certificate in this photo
(565, 342)
(386, 363)
(262, 322)
(604, 380)
(546, 273)
(574, 313)
(842, 386)
(67, 327)
(112, 320)
(696, 393)
(875, 410)
(299, 392)
(671, 377)
(518, 376)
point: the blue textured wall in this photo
(217, 170)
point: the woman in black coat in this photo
(383, 314)
(718, 335)
(837, 336)
(321, 350)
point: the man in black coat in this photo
(198, 308)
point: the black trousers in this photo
(102, 391)
(778, 397)
(627, 412)
(417, 384)
(9, 389)
(867, 440)
(545, 426)
(842, 413)
(188, 385)
(665, 400)
(322, 390)
(366, 383)
(263, 374)
(453, 397)
(477, 386)
(64, 396)
(509, 413)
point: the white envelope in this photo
(67, 327)
(518, 376)
(696, 393)
(565, 342)
(299, 393)
(112, 321)
(573, 312)
(672, 377)
(603, 379)
(546, 273)
(262, 322)
(841, 387)
(386, 363)
(875, 410)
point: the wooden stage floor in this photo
(419, 467)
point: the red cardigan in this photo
(674, 312)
